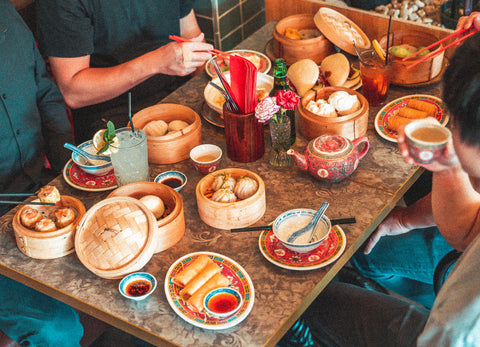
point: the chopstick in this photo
(26, 203)
(226, 86)
(181, 39)
(428, 56)
(349, 220)
(16, 194)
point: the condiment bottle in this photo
(280, 82)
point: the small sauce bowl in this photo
(137, 286)
(173, 179)
(222, 302)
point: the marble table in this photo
(281, 295)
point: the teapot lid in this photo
(335, 146)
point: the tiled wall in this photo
(227, 22)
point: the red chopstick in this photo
(428, 56)
(181, 39)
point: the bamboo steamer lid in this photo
(116, 237)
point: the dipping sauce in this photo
(222, 303)
(294, 223)
(138, 288)
(172, 182)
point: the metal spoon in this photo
(89, 157)
(310, 227)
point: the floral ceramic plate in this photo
(79, 179)
(230, 269)
(328, 251)
(260, 60)
(392, 108)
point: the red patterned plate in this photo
(328, 251)
(79, 179)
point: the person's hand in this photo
(466, 22)
(392, 225)
(182, 59)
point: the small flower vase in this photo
(280, 135)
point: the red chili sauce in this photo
(138, 288)
(172, 182)
(222, 303)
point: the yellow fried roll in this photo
(424, 106)
(199, 280)
(182, 278)
(395, 122)
(411, 113)
(216, 281)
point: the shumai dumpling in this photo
(224, 181)
(224, 195)
(246, 187)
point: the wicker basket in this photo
(170, 228)
(48, 245)
(352, 126)
(235, 214)
(116, 237)
(174, 147)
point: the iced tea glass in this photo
(376, 76)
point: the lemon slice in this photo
(99, 142)
(378, 49)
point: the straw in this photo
(388, 39)
(130, 111)
(356, 51)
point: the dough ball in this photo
(156, 128)
(154, 204)
(177, 125)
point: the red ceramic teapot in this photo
(331, 158)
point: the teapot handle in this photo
(360, 140)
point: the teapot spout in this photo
(300, 159)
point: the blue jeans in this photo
(405, 264)
(34, 319)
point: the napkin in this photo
(243, 82)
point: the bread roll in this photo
(154, 204)
(303, 74)
(335, 68)
(156, 128)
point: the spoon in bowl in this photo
(310, 227)
(89, 157)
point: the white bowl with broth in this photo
(290, 221)
(215, 100)
(96, 167)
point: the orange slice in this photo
(378, 49)
(99, 142)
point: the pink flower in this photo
(266, 109)
(287, 99)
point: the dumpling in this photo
(246, 187)
(45, 225)
(64, 216)
(224, 195)
(177, 125)
(156, 128)
(30, 217)
(49, 194)
(154, 204)
(224, 181)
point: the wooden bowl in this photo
(48, 245)
(424, 71)
(174, 147)
(293, 50)
(236, 214)
(170, 228)
(351, 126)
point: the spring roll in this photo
(182, 278)
(199, 280)
(412, 113)
(395, 122)
(216, 281)
(424, 106)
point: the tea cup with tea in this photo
(426, 139)
(206, 158)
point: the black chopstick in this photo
(349, 220)
(27, 203)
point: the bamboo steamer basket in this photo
(351, 126)
(175, 147)
(236, 214)
(169, 229)
(423, 72)
(293, 50)
(48, 245)
(116, 237)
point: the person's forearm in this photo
(419, 214)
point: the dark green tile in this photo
(253, 24)
(206, 25)
(232, 40)
(251, 8)
(225, 5)
(230, 22)
(203, 7)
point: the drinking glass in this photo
(376, 76)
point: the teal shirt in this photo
(33, 119)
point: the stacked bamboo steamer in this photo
(116, 237)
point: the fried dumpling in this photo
(224, 195)
(49, 194)
(246, 187)
(29, 217)
(45, 225)
(224, 181)
(64, 216)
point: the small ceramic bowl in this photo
(173, 179)
(97, 170)
(206, 158)
(137, 286)
(426, 140)
(222, 302)
(292, 220)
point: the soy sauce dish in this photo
(173, 179)
(222, 302)
(137, 286)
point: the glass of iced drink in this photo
(130, 156)
(376, 76)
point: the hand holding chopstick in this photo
(181, 39)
